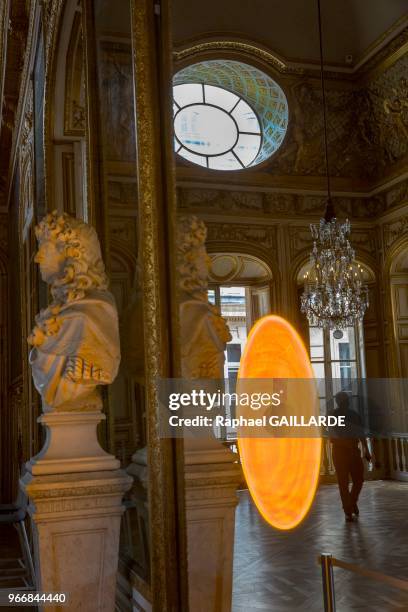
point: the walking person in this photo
(347, 456)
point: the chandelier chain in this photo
(326, 147)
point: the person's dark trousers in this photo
(348, 462)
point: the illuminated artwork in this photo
(281, 473)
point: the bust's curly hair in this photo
(78, 241)
(191, 236)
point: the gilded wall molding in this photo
(236, 46)
(156, 202)
(387, 55)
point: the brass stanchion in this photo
(328, 582)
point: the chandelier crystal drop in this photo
(335, 296)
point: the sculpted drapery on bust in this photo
(75, 342)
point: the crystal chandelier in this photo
(335, 296)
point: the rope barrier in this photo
(327, 563)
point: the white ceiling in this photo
(289, 27)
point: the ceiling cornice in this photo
(390, 45)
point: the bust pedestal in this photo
(75, 490)
(71, 444)
(212, 477)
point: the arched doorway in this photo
(241, 286)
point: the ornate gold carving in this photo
(237, 46)
(157, 206)
(395, 230)
(263, 236)
(300, 239)
(277, 205)
(378, 62)
(397, 106)
(397, 195)
(390, 52)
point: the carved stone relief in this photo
(397, 195)
(300, 238)
(395, 230)
(262, 236)
(354, 146)
(275, 204)
(388, 95)
(364, 240)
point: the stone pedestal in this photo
(76, 523)
(75, 490)
(212, 477)
(71, 444)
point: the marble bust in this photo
(75, 342)
(204, 332)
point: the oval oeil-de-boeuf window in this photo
(222, 129)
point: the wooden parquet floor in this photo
(277, 571)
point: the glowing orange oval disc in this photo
(281, 473)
